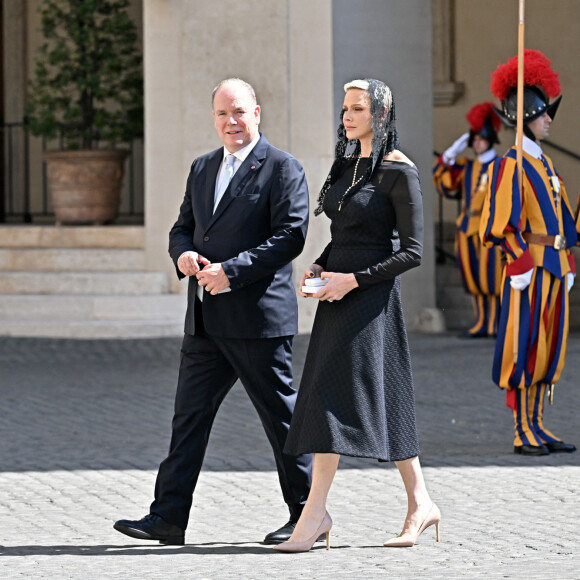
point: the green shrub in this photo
(88, 83)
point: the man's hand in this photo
(337, 287)
(570, 280)
(188, 263)
(458, 146)
(521, 281)
(213, 278)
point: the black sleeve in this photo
(181, 234)
(288, 222)
(407, 202)
(323, 258)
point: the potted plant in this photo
(86, 95)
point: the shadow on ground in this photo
(107, 404)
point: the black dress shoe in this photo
(531, 450)
(467, 334)
(152, 527)
(560, 447)
(282, 534)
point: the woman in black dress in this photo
(356, 395)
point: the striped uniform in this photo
(543, 326)
(480, 267)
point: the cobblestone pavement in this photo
(84, 425)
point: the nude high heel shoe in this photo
(305, 546)
(408, 540)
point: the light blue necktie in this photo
(227, 175)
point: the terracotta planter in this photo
(85, 186)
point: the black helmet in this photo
(541, 83)
(483, 121)
(536, 103)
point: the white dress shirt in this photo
(531, 147)
(240, 157)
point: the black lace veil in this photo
(384, 141)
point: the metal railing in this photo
(24, 196)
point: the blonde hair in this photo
(364, 85)
(357, 84)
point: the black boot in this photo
(560, 447)
(531, 450)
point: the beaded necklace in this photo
(355, 181)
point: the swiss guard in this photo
(535, 231)
(456, 177)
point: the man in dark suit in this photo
(242, 221)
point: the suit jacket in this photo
(258, 228)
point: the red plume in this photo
(537, 71)
(479, 113)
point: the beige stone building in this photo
(485, 35)
(437, 56)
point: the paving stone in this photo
(85, 423)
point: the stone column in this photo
(311, 123)
(391, 40)
(283, 48)
(446, 89)
(165, 170)
(189, 47)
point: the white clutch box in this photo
(313, 285)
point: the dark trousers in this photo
(209, 368)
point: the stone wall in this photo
(485, 35)
(297, 54)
